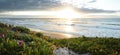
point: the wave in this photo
(89, 27)
(112, 24)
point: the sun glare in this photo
(67, 13)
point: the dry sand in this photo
(54, 34)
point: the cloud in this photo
(13, 5)
(92, 1)
(93, 10)
(26, 4)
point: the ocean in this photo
(90, 27)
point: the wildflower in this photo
(2, 35)
(20, 43)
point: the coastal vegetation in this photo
(94, 46)
(17, 40)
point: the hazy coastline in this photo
(26, 41)
(102, 27)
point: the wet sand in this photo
(55, 35)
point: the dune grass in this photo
(17, 40)
(94, 46)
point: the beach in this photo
(26, 41)
(90, 27)
(59, 27)
(55, 35)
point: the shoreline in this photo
(56, 35)
(25, 39)
(59, 35)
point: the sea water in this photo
(90, 27)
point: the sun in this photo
(67, 12)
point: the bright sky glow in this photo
(98, 4)
(86, 8)
(67, 12)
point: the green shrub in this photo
(21, 29)
(39, 34)
(94, 46)
(2, 25)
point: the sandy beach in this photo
(55, 35)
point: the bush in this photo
(22, 42)
(21, 29)
(94, 46)
(2, 25)
(39, 34)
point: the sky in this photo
(87, 8)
